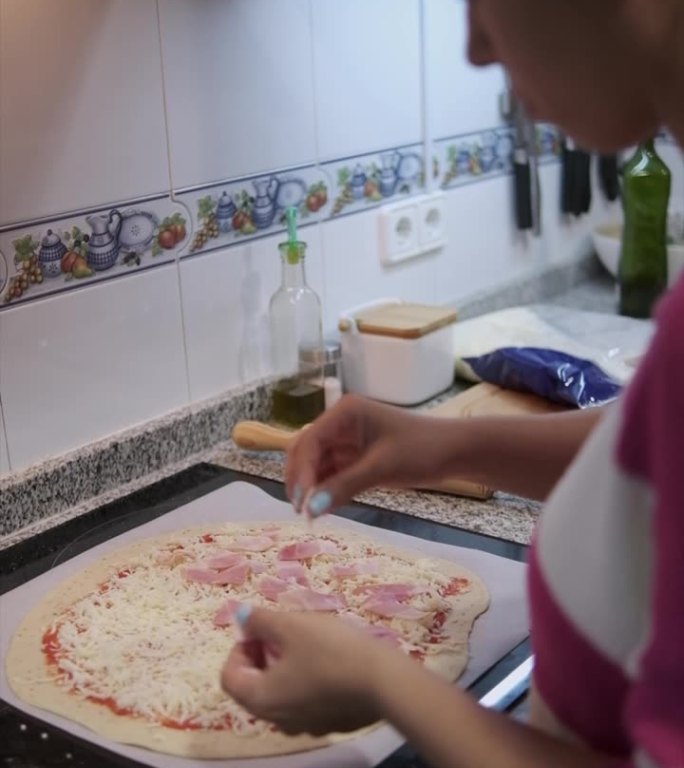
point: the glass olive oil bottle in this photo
(642, 274)
(296, 342)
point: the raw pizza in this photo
(132, 646)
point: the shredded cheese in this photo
(146, 641)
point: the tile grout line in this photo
(172, 195)
(4, 438)
(425, 95)
(317, 150)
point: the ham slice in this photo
(391, 609)
(304, 550)
(270, 587)
(234, 576)
(223, 560)
(349, 570)
(226, 613)
(292, 570)
(389, 591)
(252, 543)
(308, 600)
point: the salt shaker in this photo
(332, 372)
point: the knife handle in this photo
(568, 178)
(523, 190)
(609, 176)
(583, 165)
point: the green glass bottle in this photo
(642, 272)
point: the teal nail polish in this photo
(319, 503)
(297, 495)
(242, 613)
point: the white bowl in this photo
(607, 238)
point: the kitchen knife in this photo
(523, 192)
(568, 176)
(609, 176)
(256, 436)
(535, 190)
(583, 164)
(522, 172)
(526, 190)
(575, 179)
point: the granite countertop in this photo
(30, 504)
(503, 516)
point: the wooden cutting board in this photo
(479, 400)
(490, 400)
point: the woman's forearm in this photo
(525, 455)
(451, 731)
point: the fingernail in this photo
(319, 503)
(297, 496)
(242, 613)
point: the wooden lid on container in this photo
(404, 320)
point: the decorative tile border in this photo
(46, 257)
(50, 255)
(232, 211)
(372, 179)
(470, 157)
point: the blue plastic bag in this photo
(548, 373)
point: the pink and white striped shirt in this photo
(607, 572)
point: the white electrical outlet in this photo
(431, 225)
(412, 228)
(398, 230)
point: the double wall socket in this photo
(411, 228)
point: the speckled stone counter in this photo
(503, 516)
(67, 486)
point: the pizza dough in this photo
(138, 611)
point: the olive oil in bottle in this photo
(642, 273)
(296, 339)
(297, 402)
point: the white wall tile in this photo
(77, 367)
(81, 105)
(367, 72)
(225, 310)
(461, 97)
(239, 87)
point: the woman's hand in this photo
(319, 672)
(361, 444)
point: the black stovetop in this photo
(27, 742)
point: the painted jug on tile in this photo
(388, 174)
(103, 246)
(263, 211)
(51, 251)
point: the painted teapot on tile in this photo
(264, 208)
(103, 246)
(357, 182)
(388, 173)
(225, 210)
(51, 251)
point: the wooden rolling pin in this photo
(255, 436)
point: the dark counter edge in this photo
(28, 559)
